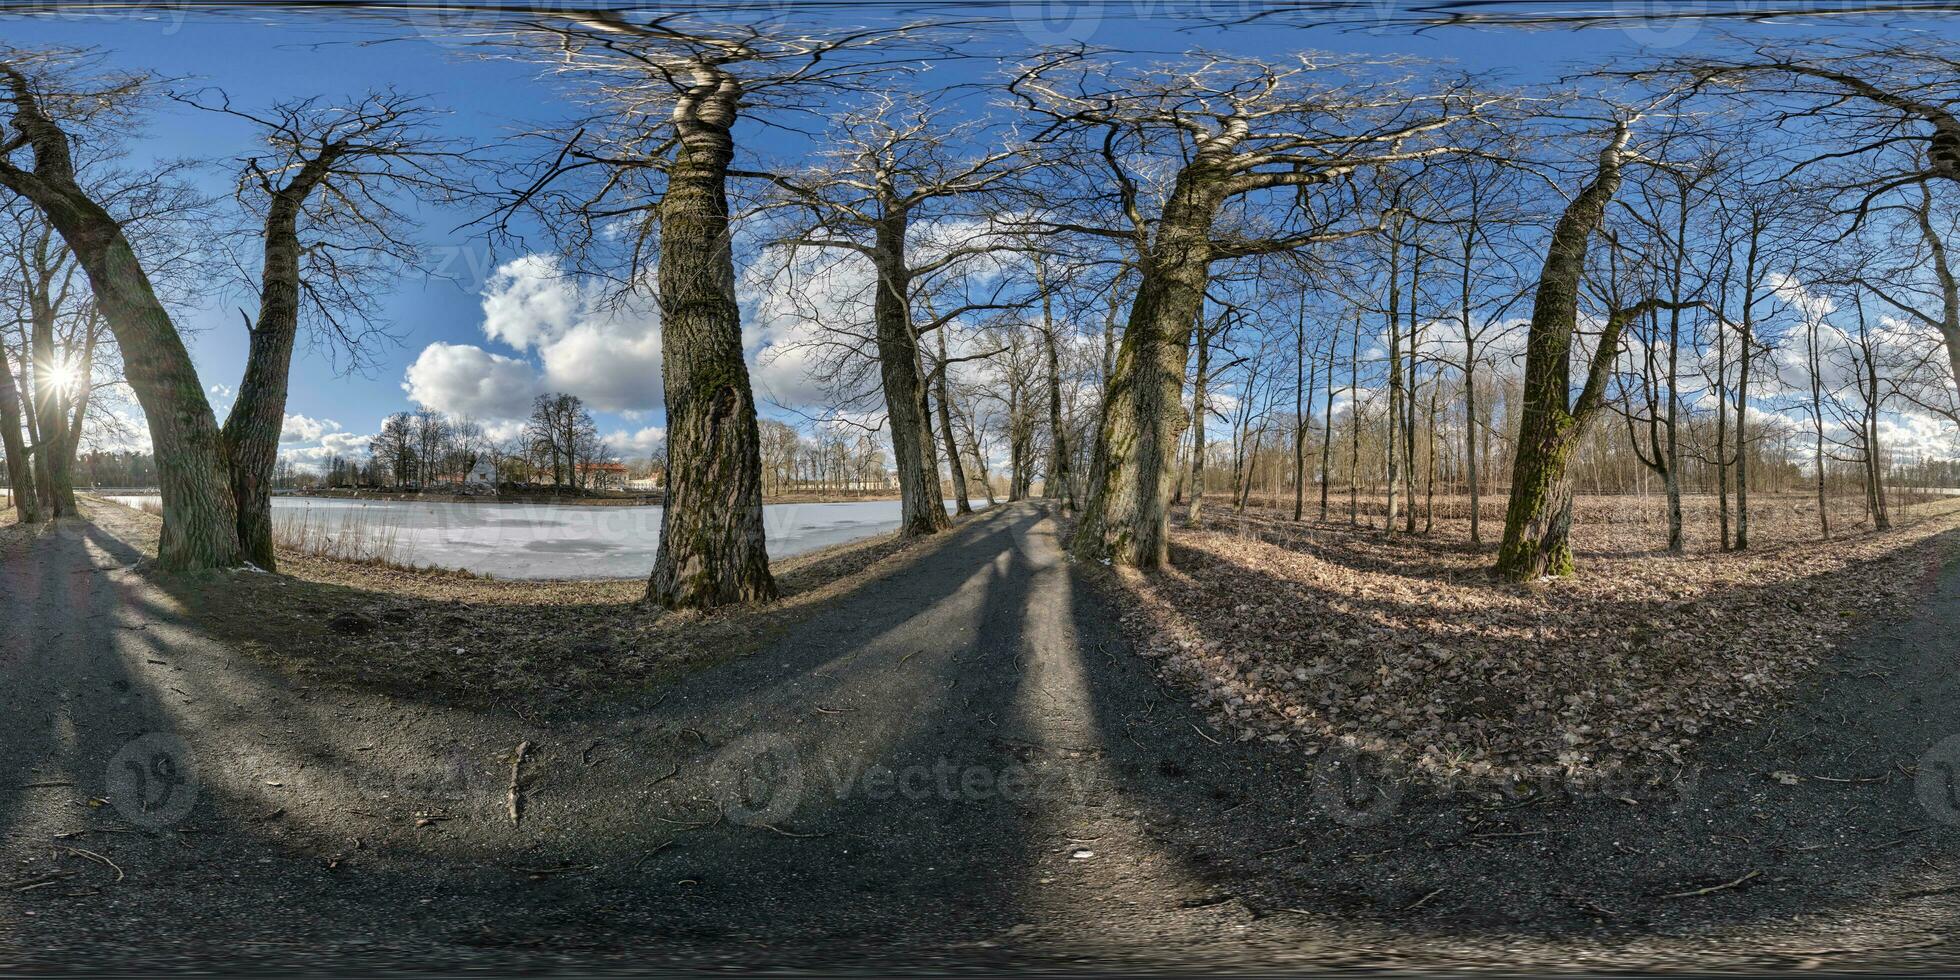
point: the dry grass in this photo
(463, 639)
(359, 538)
(1319, 634)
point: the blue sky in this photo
(259, 61)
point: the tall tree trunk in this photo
(711, 542)
(1058, 485)
(53, 479)
(1745, 354)
(1409, 391)
(1429, 490)
(1472, 476)
(921, 508)
(1538, 519)
(251, 431)
(1817, 420)
(1722, 422)
(1676, 538)
(1198, 412)
(962, 502)
(20, 469)
(1126, 513)
(1327, 430)
(1300, 420)
(1395, 379)
(1354, 422)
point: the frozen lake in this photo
(557, 541)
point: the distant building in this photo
(482, 474)
(603, 476)
(643, 484)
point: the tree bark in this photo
(1395, 392)
(1327, 430)
(1746, 354)
(1300, 420)
(922, 509)
(1538, 520)
(54, 480)
(962, 502)
(199, 517)
(711, 541)
(1126, 513)
(251, 430)
(1198, 412)
(20, 471)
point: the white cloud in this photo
(347, 445)
(606, 351)
(467, 380)
(299, 428)
(640, 443)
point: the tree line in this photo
(1104, 262)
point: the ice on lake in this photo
(523, 540)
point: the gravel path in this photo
(958, 766)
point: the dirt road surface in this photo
(959, 766)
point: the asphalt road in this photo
(960, 766)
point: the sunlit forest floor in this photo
(1318, 634)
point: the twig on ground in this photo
(514, 799)
(84, 852)
(1712, 889)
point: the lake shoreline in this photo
(637, 500)
(534, 539)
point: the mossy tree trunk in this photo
(1538, 520)
(711, 541)
(1126, 513)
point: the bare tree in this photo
(20, 474)
(893, 170)
(1538, 520)
(52, 94)
(660, 145)
(1225, 128)
(330, 234)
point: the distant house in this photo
(603, 476)
(643, 484)
(482, 474)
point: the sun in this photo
(64, 377)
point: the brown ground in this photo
(459, 638)
(1319, 634)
